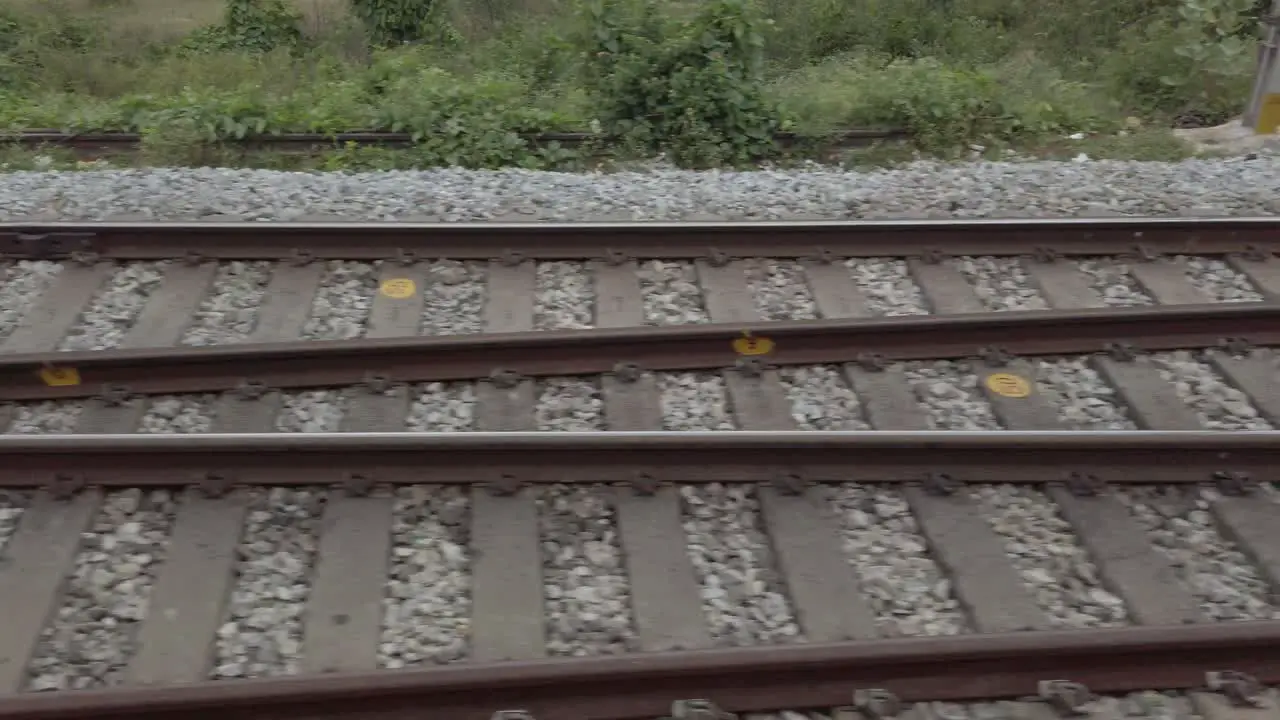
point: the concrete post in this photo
(1263, 114)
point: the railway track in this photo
(815, 495)
(424, 573)
(108, 144)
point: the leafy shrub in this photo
(255, 26)
(945, 108)
(396, 22)
(693, 89)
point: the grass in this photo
(966, 77)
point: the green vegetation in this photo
(706, 82)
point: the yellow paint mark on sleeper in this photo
(398, 288)
(1009, 385)
(60, 376)
(751, 345)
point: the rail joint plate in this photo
(44, 245)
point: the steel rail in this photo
(631, 687)
(626, 351)
(507, 460)
(503, 356)
(121, 142)
(616, 241)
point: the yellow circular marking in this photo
(60, 377)
(399, 288)
(751, 345)
(1009, 385)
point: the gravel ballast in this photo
(1234, 186)
(427, 603)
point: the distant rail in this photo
(118, 143)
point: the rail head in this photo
(938, 461)
(866, 341)
(958, 668)
(671, 240)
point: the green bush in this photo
(396, 22)
(694, 89)
(705, 82)
(255, 26)
(28, 39)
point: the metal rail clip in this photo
(1068, 699)
(877, 704)
(1240, 689)
(1234, 484)
(214, 484)
(697, 710)
(64, 486)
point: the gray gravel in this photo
(228, 313)
(21, 285)
(566, 296)
(908, 592)
(262, 635)
(90, 639)
(169, 414)
(453, 299)
(695, 401)
(443, 407)
(1233, 186)
(584, 578)
(427, 609)
(741, 596)
(888, 286)
(781, 290)
(12, 505)
(569, 404)
(949, 392)
(1218, 280)
(112, 312)
(343, 301)
(1218, 405)
(56, 417)
(1043, 549)
(1182, 529)
(1158, 705)
(821, 399)
(1001, 283)
(671, 293)
(1113, 282)
(311, 411)
(1083, 399)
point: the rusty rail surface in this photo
(617, 241)
(1084, 460)
(89, 144)
(957, 668)
(505, 357)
